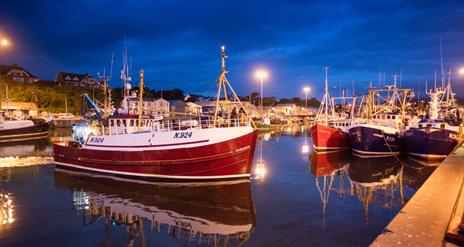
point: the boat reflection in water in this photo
(325, 166)
(213, 213)
(25, 153)
(373, 181)
(376, 181)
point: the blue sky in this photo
(177, 43)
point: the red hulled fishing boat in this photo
(330, 129)
(145, 147)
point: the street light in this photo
(4, 42)
(306, 90)
(261, 75)
(461, 71)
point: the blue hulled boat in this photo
(370, 139)
(433, 139)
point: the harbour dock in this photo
(434, 212)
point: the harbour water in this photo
(296, 197)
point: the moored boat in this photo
(137, 146)
(433, 138)
(375, 140)
(330, 131)
(381, 134)
(22, 130)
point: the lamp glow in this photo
(261, 74)
(4, 42)
(306, 89)
(461, 71)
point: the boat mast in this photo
(223, 84)
(327, 97)
(140, 100)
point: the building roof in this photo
(72, 76)
(5, 69)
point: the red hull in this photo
(228, 159)
(329, 138)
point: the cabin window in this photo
(388, 117)
(420, 125)
(442, 126)
(383, 116)
(111, 122)
(429, 125)
(393, 117)
(132, 122)
(118, 122)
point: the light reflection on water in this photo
(295, 198)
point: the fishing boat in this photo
(433, 138)
(381, 134)
(22, 130)
(21, 127)
(145, 147)
(330, 130)
(216, 212)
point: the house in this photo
(77, 80)
(162, 106)
(286, 109)
(17, 73)
(19, 109)
(180, 106)
(150, 106)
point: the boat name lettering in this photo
(184, 225)
(96, 140)
(182, 135)
(390, 138)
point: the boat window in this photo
(388, 117)
(383, 116)
(132, 122)
(118, 122)
(442, 126)
(429, 125)
(420, 125)
(111, 122)
(393, 117)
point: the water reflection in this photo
(372, 181)
(6, 209)
(376, 181)
(325, 166)
(221, 214)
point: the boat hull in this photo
(36, 131)
(371, 140)
(228, 159)
(329, 138)
(430, 143)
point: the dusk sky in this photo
(178, 43)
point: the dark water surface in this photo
(297, 198)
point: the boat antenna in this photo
(441, 65)
(111, 66)
(435, 82)
(401, 78)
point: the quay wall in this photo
(424, 220)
